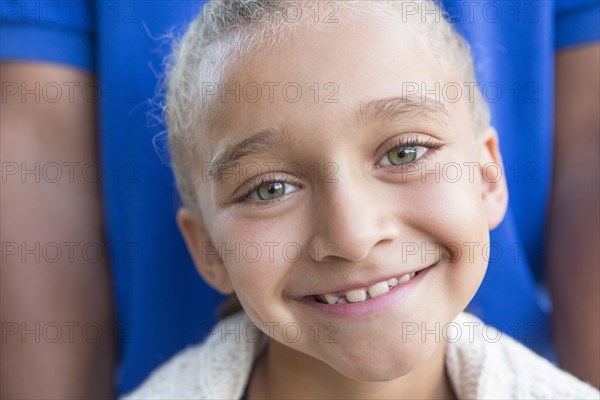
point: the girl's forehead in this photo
(311, 49)
(319, 74)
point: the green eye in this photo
(402, 155)
(266, 192)
(270, 191)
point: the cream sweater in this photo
(481, 364)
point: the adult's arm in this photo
(572, 253)
(56, 307)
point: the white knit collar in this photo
(480, 362)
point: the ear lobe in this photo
(205, 254)
(494, 190)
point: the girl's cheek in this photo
(449, 211)
(261, 263)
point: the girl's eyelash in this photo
(410, 141)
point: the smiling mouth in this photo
(364, 294)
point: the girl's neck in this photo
(281, 372)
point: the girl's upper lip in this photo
(364, 284)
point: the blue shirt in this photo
(162, 304)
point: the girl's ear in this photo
(204, 252)
(494, 190)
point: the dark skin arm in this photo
(65, 291)
(572, 251)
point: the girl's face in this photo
(331, 182)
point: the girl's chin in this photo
(365, 369)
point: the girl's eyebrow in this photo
(260, 142)
(402, 107)
(391, 108)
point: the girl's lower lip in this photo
(370, 306)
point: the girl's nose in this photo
(353, 216)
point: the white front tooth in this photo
(331, 299)
(342, 300)
(378, 289)
(413, 275)
(404, 278)
(356, 295)
(393, 282)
